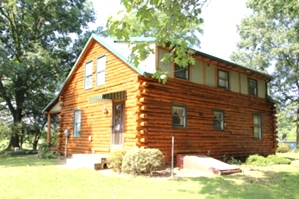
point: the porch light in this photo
(105, 110)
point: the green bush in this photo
(256, 160)
(115, 160)
(142, 161)
(233, 160)
(45, 152)
(283, 148)
(278, 160)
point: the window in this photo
(77, 123)
(252, 87)
(218, 120)
(178, 116)
(101, 67)
(181, 72)
(222, 79)
(257, 127)
(88, 75)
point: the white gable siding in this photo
(197, 72)
(261, 88)
(234, 81)
(164, 66)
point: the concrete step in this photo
(90, 161)
(88, 156)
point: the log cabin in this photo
(215, 107)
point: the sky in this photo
(220, 19)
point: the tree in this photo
(36, 52)
(172, 23)
(269, 40)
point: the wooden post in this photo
(49, 130)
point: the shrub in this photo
(283, 148)
(231, 160)
(142, 161)
(115, 160)
(256, 160)
(45, 152)
(278, 160)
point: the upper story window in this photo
(77, 123)
(179, 116)
(257, 129)
(218, 120)
(88, 75)
(101, 68)
(222, 79)
(181, 72)
(252, 87)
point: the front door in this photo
(117, 126)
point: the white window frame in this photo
(88, 75)
(101, 70)
(179, 116)
(77, 123)
(257, 126)
(218, 119)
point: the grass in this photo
(29, 177)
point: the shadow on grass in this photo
(27, 160)
(271, 185)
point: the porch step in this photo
(90, 161)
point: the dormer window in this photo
(223, 79)
(181, 72)
(252, 87)
(88, 75)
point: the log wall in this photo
(148, 113)
(155, 120)
(94, 122)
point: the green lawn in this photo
(29, 177)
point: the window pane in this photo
(88, 75)
(88, 69)
(77, 123)
(218, 120)
(101, 78)
(257, 129)
(222, 83)
(178, 116)
(252, 86)
(88, 82)
(257, 132)
(101, 63)
(101, 67)
(222, 75)
(256, 120)
(181, 72)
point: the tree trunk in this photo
(34, 145)
(15, 137)
(297, 129)
(297, 135)
(14, 142)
